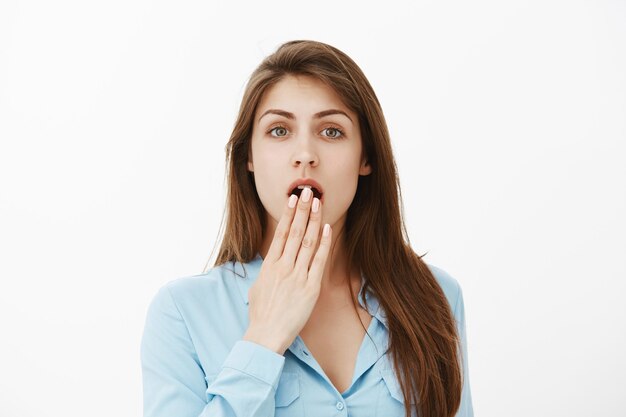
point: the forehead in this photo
(300, 94)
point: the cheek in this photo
(266, 163)
(269, 181)
(343, 187)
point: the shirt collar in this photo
(247, 273)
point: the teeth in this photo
(315, 191)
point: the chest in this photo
(334, 338)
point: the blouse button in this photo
(339, 405)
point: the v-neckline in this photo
(318, 367)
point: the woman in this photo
(316, 304)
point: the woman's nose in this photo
(305, 154)
(306, 160)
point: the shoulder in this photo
(450, 286)
(205, 289)
(188, 285)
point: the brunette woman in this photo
(316, 305)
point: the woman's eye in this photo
(279, 130)
(333, 132)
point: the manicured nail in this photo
(306, 195)
(316, 205)
(326, 229)
(292, 200)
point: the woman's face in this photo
(291, 140)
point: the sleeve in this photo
(465, 409)
(174, 383)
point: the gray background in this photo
(508, 122)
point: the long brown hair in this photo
(423, 340)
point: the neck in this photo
(335, 271)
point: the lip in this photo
(306, 181)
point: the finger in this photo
(309, 242)
(282, 231)
(319, 260)
(298, 227)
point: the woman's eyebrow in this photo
(291, 116)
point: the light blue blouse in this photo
(195, 363)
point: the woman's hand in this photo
(286, 290)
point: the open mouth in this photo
(298, 190)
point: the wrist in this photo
(261, 338)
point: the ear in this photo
(365, 168)
(250, 164)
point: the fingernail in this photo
(292, 200)
(306, 194)
(316, 204)
(326, 229)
